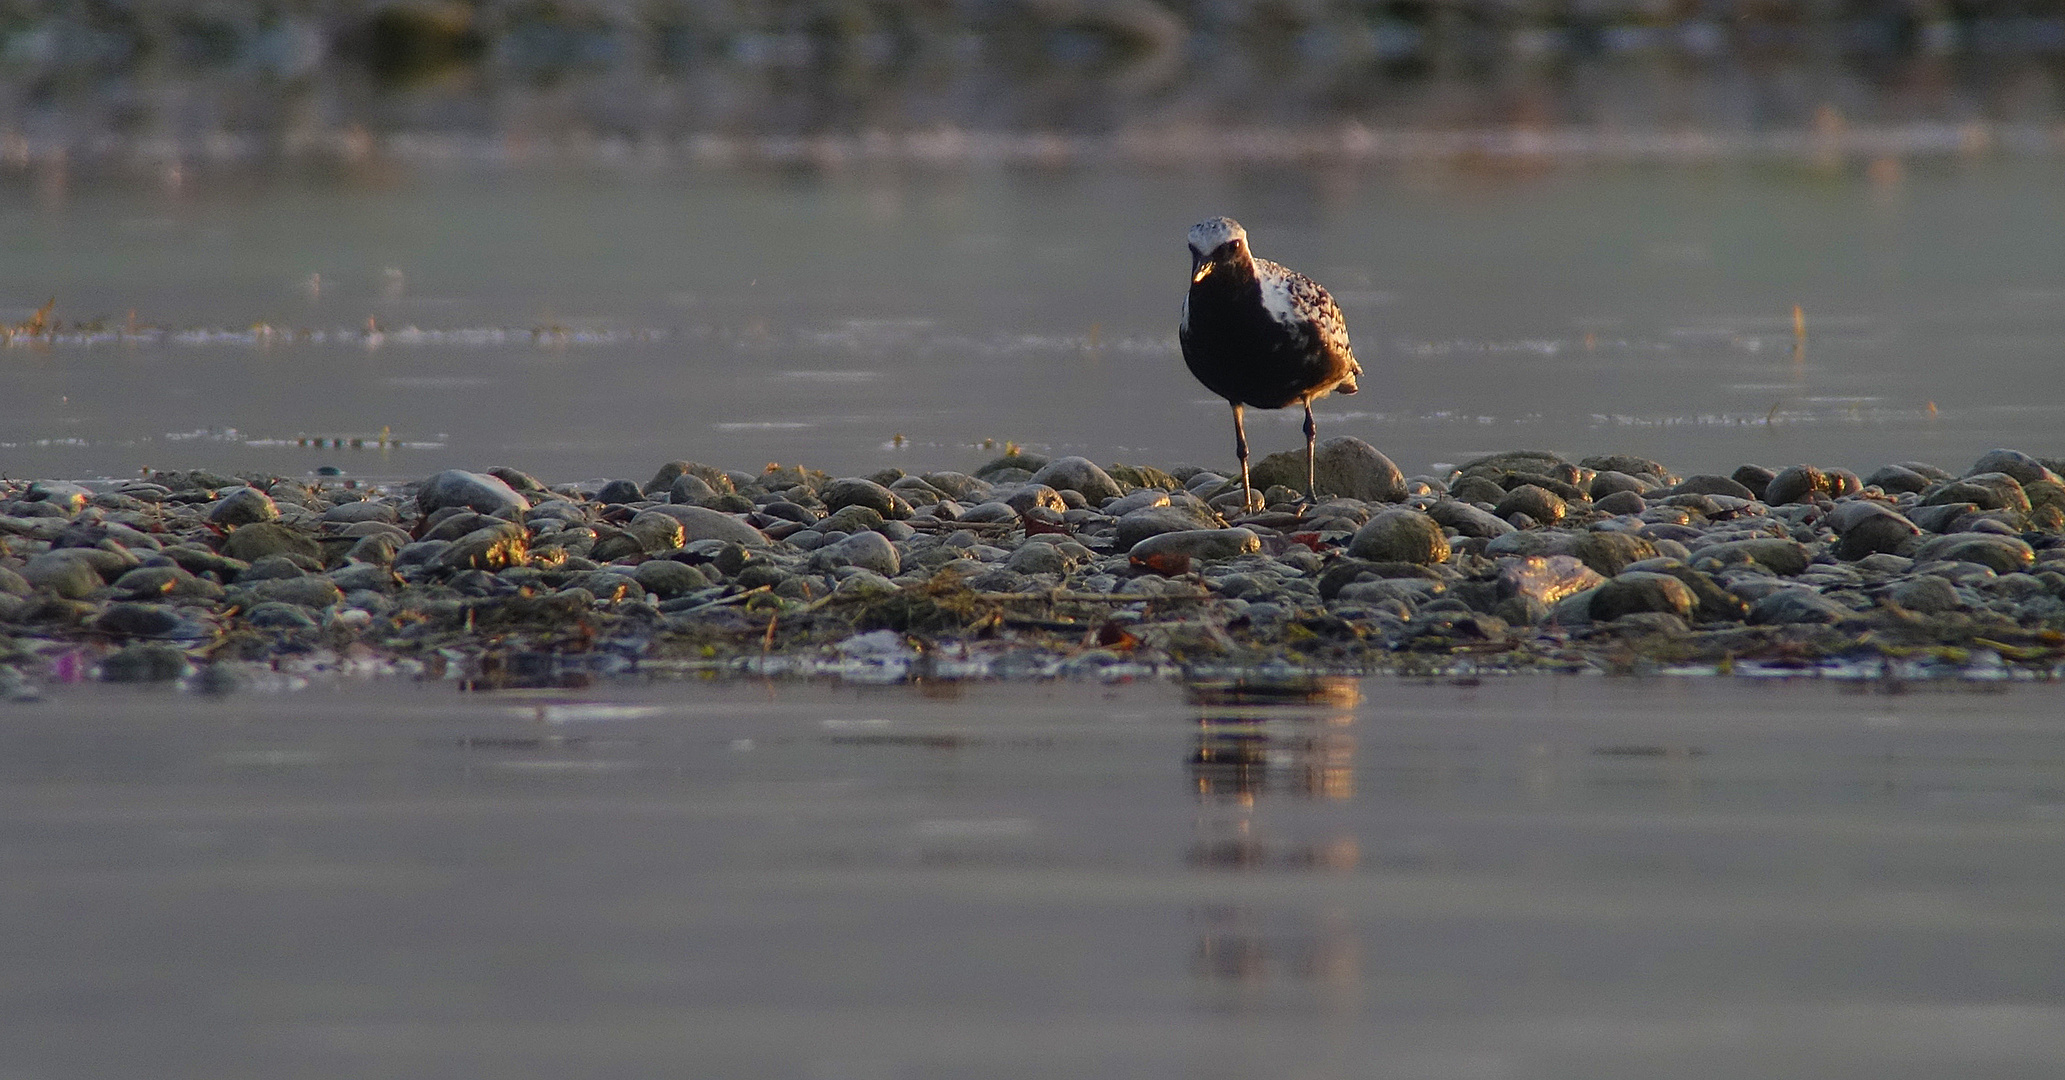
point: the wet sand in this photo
(1540, 877)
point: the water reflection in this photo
(1259, 744)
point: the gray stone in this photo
(2001, 554)
(1639, 591)
(308, 592)
(252, 542)
(1897, 480)
(1203, 545)
(67, 497)
(1928, 594)
(668, 579)
(68, 572)
(867, 550)
(138, 620)
(1754, 477)
(475, 491)
(717, 480)
(13, 584)
(1608, 553)
(1078, 474)
(1029, 496)
(1867, 528)
(1545, 579)
(279, 615)
(141, 663)
(243, 506)
(1612, 482)
(1710, 484)
(1154, 521)
(362, 510)
(1343, 466)
(1715, 604)
(1776, 554)
(857, 491)
(1476, 489)
(1941, 517)
(1406, 536)
(2022, 467)
(494, 548)
(1796, 604)
(1621, 503)
(1988, 491)
(702, 523)
(453, 524)
(1796, 483)
(269, 567)
(958, 486)
(1038, 559)
(1466, 519)
(1144, 499)
(692, 490)
(1537, 502)
(363, 577)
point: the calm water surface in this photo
(581, 323)
(1529, 878)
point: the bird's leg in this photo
(1311, 462)
(1240, 444)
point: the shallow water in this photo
(1530, 877)
(597, 320)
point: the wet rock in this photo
(618, 492)
(1710, 484)
(1608, 553)
(717, 480)
(1869, 527)
(1780, 556)
(472, 490)
(1080, 475)
(1154, 521)
(2001, 554)
(1713, 604)
(668, 579)
(363, 577)
(855, 491)
(1544, 506)
(253, 542)
(68, 498)
(702, 523)
(502, 545)
(1545, 579)
(1795, 483)
(272, 566)
(1476, 489)
(308, 592)
(1202, 545)
(72, 576)
(1652, 473)
(279, 615)
(2023, 468)
(1612, 483)
(1897, 480)
(1942, 517)
(1466, 519)
(1641, 591)
(142, 663)
(1343, 466)
(137, 620)
(1988, 491)
(1754, 477)
(867, 550)
(1621, 503)
(243, 506)
(1406, 536)
(1928, 594)
(364, 510)
(1796, 604)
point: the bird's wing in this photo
(1297, 300)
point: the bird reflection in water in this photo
(1263, 751)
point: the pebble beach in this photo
(1036, 568)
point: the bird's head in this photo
(1217, 244)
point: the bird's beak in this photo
(1204, 268)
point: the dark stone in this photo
(475, 491)
(1941, 517)
(1780, 556)
(1537, 502)
(1545, 579)
(1797, 604)
(1400, 536)
(253, 542)
(1344, 467)
(1869, 527)
(1754, 477)
(2001, 554)
(1639, 591)
(1467, 519)
(1714, 603)
(1080, 475)
(137, 620)
(1630, 465)
(243, 506)
(2022, 467)
(618, 492)
(1203, 545)
(1613, 483)
(1897, 480)
(1989, 491)
(1795, 483)
(141, 663)
(1709, 484)
(1619, 503)
(1608, 553)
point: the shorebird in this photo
(1260, 334)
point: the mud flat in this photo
(1036, 568)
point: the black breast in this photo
(1247, 356)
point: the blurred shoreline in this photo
(701, 84)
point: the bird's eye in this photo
(1237, 243)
